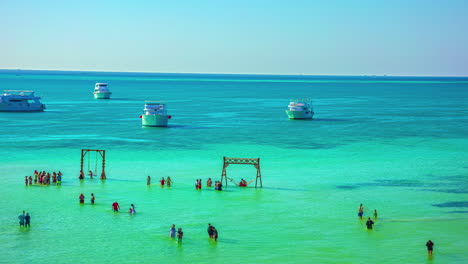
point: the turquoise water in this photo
(395, 144)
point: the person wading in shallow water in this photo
(360, 211)
(148, 180)
(115, 206)
(81, 197)
(369, 223)
(430, 247)
(180, 235)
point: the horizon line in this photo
(221, 73)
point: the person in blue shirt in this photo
(21, 219)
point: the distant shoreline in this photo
(230, 74)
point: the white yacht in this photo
(155, 114)
(101, 91)
(300, 109)
(20, 101)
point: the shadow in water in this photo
(452, 204)
(347, 187)
(284, 189)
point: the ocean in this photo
(397, 145)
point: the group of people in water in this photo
(24, 220)
(44, 178)
(115, 205)
(173, 233)
(168, 181)
(370, 224)
(82, 176)
(218, 186)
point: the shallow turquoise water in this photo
(397, 145)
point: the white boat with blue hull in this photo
(101, 91)
(300, 109)
(20, 101)
(155, 114)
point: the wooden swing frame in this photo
(102, 153)
(245, 161)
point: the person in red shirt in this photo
(162, 181)
(115, 206)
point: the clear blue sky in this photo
(365, 37)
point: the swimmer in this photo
(90, 174)
(133, 208)
(115, 206)
(375, 214)
(81, 177)
(26, 180)
(148, 180)
(430, 247)
(130, 210)
(162, 181)
(172, 232)
(30, 180)
(59, 179)
(81, 197)
(360, 211)
(92, 198)
(180, 235)
(369, 223)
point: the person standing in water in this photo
(81, 177)
(92, 198)
(168, 181)
(210, 231)
(369, 223)
(172, 232)
(81, 197)
(180, 235)
(133, 208)
(162, 181)
(115, 206)
(27, 219)
(430, 247)
(209, 182)
(26, 180)
(360, 211)
(215, 234)
(21, 218)
(59, 178)
(375, 214)
(148, 181)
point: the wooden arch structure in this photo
(102, 153)
(255, 162)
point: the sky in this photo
(367, 37)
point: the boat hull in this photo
(154, 120)
(102, 95)
(300, 114)
(22, 107)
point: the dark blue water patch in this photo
(458, 212)
(285, 189)
(452, 204)
(347, 187)
(394, 183)
(456, 191)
